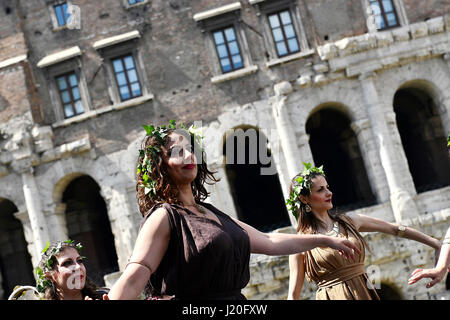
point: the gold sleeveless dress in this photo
(337, 277)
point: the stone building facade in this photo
(322, 81)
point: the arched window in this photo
(88, 223)
(257, 193)
(15, 261)
(423, 138)
(335, 146)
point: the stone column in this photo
(285, 129)
(286, 132)
(444, 104)
(372, 162)
(305, 149)
(23, 217)
(55, 216)
(122, 222)
(403, 205)
(37, 219)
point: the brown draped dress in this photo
(204, 259)
(337, 277)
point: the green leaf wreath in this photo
(300, 182)
(46, 264)
(152, 152)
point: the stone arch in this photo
(420, 125)
(389, 291)
(334, 145)
(87, 222)
(253, 179)
(15, 261)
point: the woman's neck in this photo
(325, 221)
(185, 194)
(76, 295)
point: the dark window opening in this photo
(258, 198)
(88, 223)
(335, 146)
(423, 139)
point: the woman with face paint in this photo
(62, 274)
(187, 248)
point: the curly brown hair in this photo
(166, 191)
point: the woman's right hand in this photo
(344, 246)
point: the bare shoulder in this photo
(158, 219)
(354, 218)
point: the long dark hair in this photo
(165, 189)
(307, 221)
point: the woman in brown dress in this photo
(187, 248)
(337, 278)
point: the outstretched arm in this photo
(283, 244)
(296, 275)
(365, 223)
(149, 249)
(437, 273)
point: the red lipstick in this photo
(189, 166)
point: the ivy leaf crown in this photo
(301, 182)
(151, 152)
(46, 263)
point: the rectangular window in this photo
(69, 92)
(385, 14)
(227, 49)
(283, 33)
(131, 2)
(62, 14)
(126, 77)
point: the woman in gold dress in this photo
(337, 278)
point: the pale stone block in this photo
(419, 30)
(384, 39)
(328, 51)
(401, 34)
(321, 67)
(436, 25)
(283, 88)
(303, 81)
(447, 21)
(320, 79)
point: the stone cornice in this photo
(374, 51)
